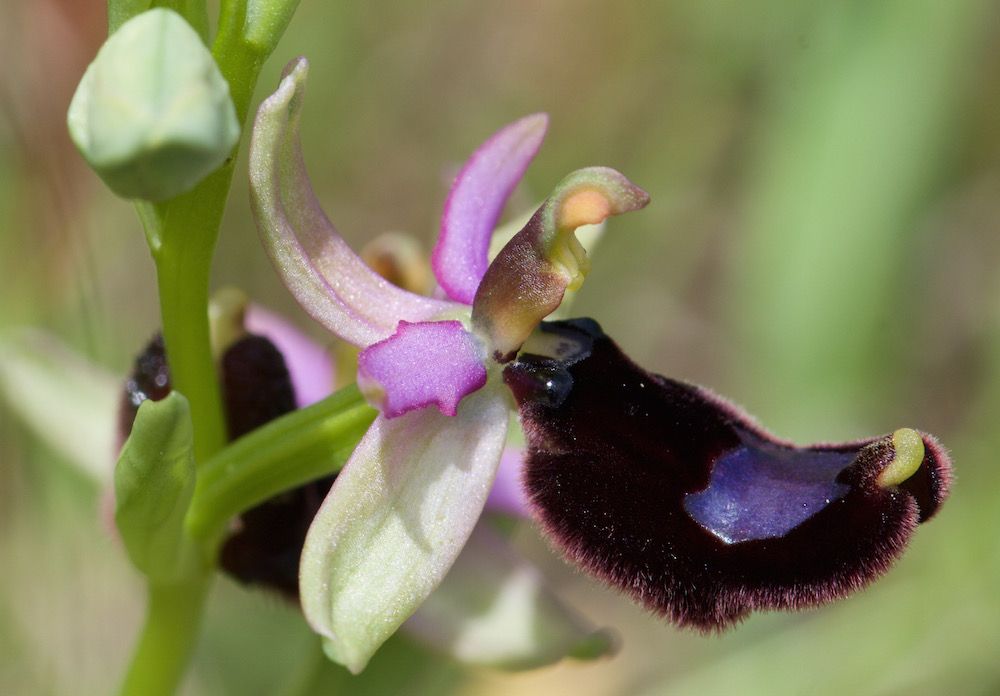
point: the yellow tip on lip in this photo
(909, 449)
(586, 207)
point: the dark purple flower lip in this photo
(679, 499)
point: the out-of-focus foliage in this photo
(822, 246)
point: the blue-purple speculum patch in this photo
(679, 499)
(760, 490)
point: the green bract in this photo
(152, 114)
(154, 483)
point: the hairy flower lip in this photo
(609, 469)
(610, 491)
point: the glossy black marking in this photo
(149, 379)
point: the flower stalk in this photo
(302, 446)
(182, 234)
(173, 619)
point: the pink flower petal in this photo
(422, 364)
(476, 201)
(328, 279)
(507, 494)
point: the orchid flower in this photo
(493, 609)
(660, 488)
(407, 500)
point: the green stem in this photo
(186, 241)
(173, 617)
(194, 11)
(182, 234)
(239, 62)
(300, 447)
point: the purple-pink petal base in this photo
(422, 364)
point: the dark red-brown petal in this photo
(677, 498)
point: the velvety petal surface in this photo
(494, 609)
(677, 498)
(396, 518)
(328, 279)
(256, 386)
(476, 201)
(528, 278)
(428, 363)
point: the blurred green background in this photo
(822, 247)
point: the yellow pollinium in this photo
(909, 449)
(585, 207)
(568, 254)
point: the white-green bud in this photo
(152, 114)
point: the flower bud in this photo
(152, 114)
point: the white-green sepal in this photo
(396, 518)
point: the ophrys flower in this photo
(404, 505)
(663, 490)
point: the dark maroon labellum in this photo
(266, 546)
(255, 385)
(677, 498)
